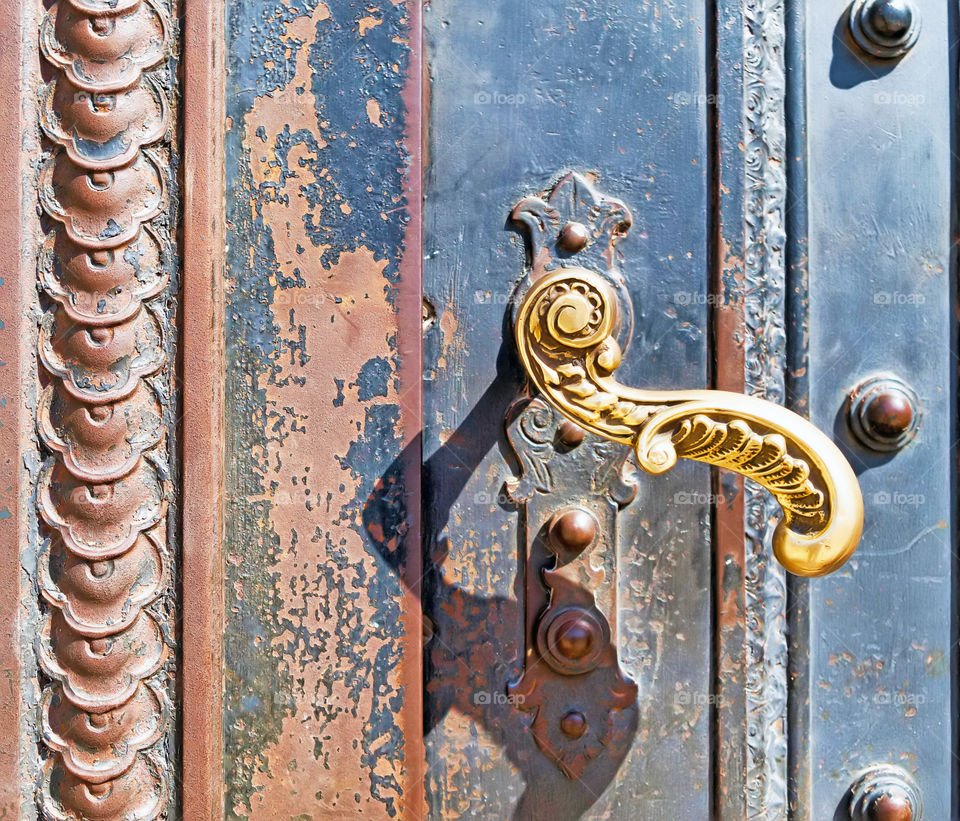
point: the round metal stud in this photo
(885, 793)
(890, 808)
(885, 28)
(573, 724)
(884, 413)
(570, 434)
(572, 530)
(573, 641)
(573, 238)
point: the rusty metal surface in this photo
(201, 374)
(322, 714)
(18, 237)
(314, 471)
(881, 160)
(106, 411)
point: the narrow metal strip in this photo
(202, 346)
(765, 355)
(18, 228)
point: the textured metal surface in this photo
(518, 91)
(683, 116)
(764, 341)
(881, 686)
(106, 411)
(321, 705)
(19, 237)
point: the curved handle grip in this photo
(565, 330)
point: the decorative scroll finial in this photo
(567, 325)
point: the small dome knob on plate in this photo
(573, 724)
(572, 530)
(573, 238)
(894, 807)
(889, 19)
(885, 792)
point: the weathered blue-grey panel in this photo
(881, 300)
(518, 93)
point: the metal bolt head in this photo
(889, 414)
(574, 237)
(889, 19)
(570, 433)
(575, 639)
(885, 792)
(885, 28)
(573, 724)
(890, 807)
(884, 413)
(573, 530)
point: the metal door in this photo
(348, 349)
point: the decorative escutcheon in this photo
(885, 793)
(572, 309)
(572, 436)
(885, 28)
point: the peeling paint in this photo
(315, 639)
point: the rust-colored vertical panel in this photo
(202, 371)
(322, 681)
(15, 426)
(410, 385)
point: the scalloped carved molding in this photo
(104, 565)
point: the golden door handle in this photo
(566, 325)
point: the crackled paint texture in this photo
(315, 639)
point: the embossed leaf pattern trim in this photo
(103, 491)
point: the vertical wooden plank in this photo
(322, 712)
(202, 381)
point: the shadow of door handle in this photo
(566, 324)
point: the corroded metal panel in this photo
(19, 236)
(518, 91)
(106, 411)
(322, 673)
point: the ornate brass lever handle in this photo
(566, 328)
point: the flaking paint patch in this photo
(314, 634)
